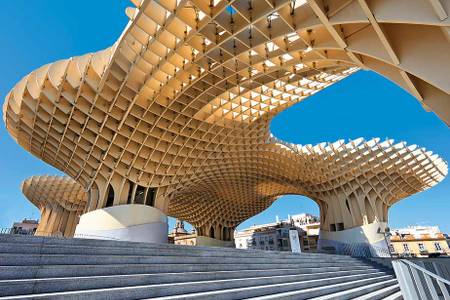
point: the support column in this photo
(72, 222)
(57, 221)
(213, 236)
(45, 214)
(369, 236)
(131, 222)
(351, 221)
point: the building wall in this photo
(275, 236)
(264, 239)
(421, 241)
(309, 242)
(419, 248)
(193, 239)
(275, 241)
(187, 239)
(418, 241)
(25, 227)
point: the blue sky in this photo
(365, 105)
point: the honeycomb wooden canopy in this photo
(60, 199)
(353, 183)
(181, 103)
(50, 190)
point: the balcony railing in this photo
(15, 231)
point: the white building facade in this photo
(275, 236)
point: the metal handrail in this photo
(416, 282)
(423, 270)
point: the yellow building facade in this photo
(419, 242)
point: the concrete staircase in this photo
(51, 268)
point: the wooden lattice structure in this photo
(176, 113)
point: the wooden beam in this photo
(412, 87)
(318, 10)
(439, 9)
(379, 31)
(324, 19)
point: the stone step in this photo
(28, 249)
(74, 259)
(4, 238)
(52, 285)
(396, 296)
(53, 271)
(380, 294)
(44, 242)
(86, 242)
(338, 291)
(244, 287)
(55, 268)
(287, 290)
(375, 291)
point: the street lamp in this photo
(386, 234)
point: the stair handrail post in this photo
(404, 280)
(441, 285)
(411, 284)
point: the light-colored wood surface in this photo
(183, 100)
(60, 200)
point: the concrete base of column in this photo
(368, 237)
(133, 222)
(210, 242)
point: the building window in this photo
(437, 246)
(405, 247)
(421, 247)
